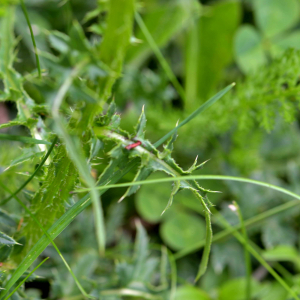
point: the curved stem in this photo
(195, 177)
(33, 174)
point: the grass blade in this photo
(32, 37)
(78, 157)
(17, 287)
(201, 109)
(24, 139)
(51, 241)
(160, 57)
(57, 228)
(246, 252)
(33, 174)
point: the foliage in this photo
(89, 86)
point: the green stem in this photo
(33, 174)
(246, 253)
(195, 177)
(173, 275)
(17, 287)
(206, 252)
(32, 37)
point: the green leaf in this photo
(235, 289)
(6, 240)
(77, 40)
(191, 293)
(59, 41)
(141, 125)
(205, 58)
(248, 48)
(275, 16)
(182, 230)
(27, 155)
(49, 202)
(273, 291)
(24, 139)
(150, 202)
(283, 253)
(291, 40)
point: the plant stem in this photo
(246, 253)
(32, 37)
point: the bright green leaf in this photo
(248, 49)
(275, 16)
(189, 292)
(182, 230)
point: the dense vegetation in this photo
(149, 149)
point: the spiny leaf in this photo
(27, 155)
(49, 201)
(202, 108)
(7, 240)
(142, 174)
(140, 127)
(176, 187)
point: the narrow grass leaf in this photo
(202, 108)
(24, 139)
(77, 156)
(246, 252)
(32, 37)
(24, 280)
(51, 241)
